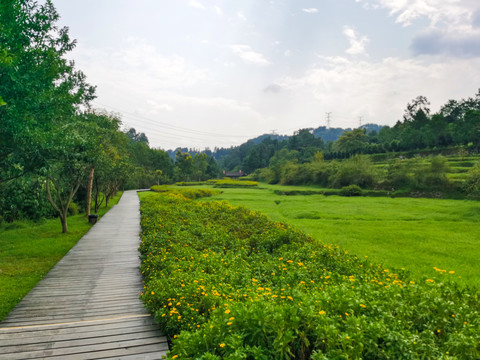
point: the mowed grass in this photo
(415, 234)
(28, 251)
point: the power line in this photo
(171, 127)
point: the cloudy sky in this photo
(206, 73)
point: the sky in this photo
(215, 73)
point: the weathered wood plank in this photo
(87, 307)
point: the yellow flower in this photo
(321, 312)
(232, 318)
(429, 280)
(227, 311)
(363, 306)
(229, 323)
(153, 292)
(174, 356)
(222, 345)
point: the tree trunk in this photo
(89, 190)
(63, 220)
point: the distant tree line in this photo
(456, 124)
(57, 154)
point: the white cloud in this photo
(451, 12)
(241, 16)
(218, 10)
(310, 10)
(246, 53)
(196, 4)
(380, 90)
(156, 106)
(357, 45)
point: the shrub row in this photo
(228, 183)
(188, 193)
(227, 283)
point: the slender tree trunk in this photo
(63, 220)
(89, 190)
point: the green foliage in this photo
(41, 89)
(227, 183)
(265, 175)
(187, 193)
(73, 209)
(472, 183)
(357, 170)
(352, 142)
(226, 282)
(351, 190)
(24, 198)
(191, 183)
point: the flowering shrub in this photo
(227, 283)
(188, 193)
(228, 183)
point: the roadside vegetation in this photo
(228, 283)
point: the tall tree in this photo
(40, 88)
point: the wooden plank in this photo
(16, 341)
(88, 306)
(96, 351)
(79, 327)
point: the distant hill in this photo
(260, 138)
(327, 134)
(372, 127)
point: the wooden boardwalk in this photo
(87, 307)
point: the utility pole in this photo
(328, 114)
(360, 118)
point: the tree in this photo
(137, 137)
(183, 166)
(68, 165)
(40, 89)
(351, 142)
(417, 112)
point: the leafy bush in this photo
(472, 183)
(357, 170)
(265, 175)
(226, 283)
(351, 190)
(25, 198)
(73, 209)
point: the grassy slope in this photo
(417, 234)
(29, 250)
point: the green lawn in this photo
(416, 234)
(29, 250)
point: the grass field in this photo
(416, 234)
(29, 250)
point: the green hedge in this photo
(227, 283)
(188, 193)
(227, 183)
